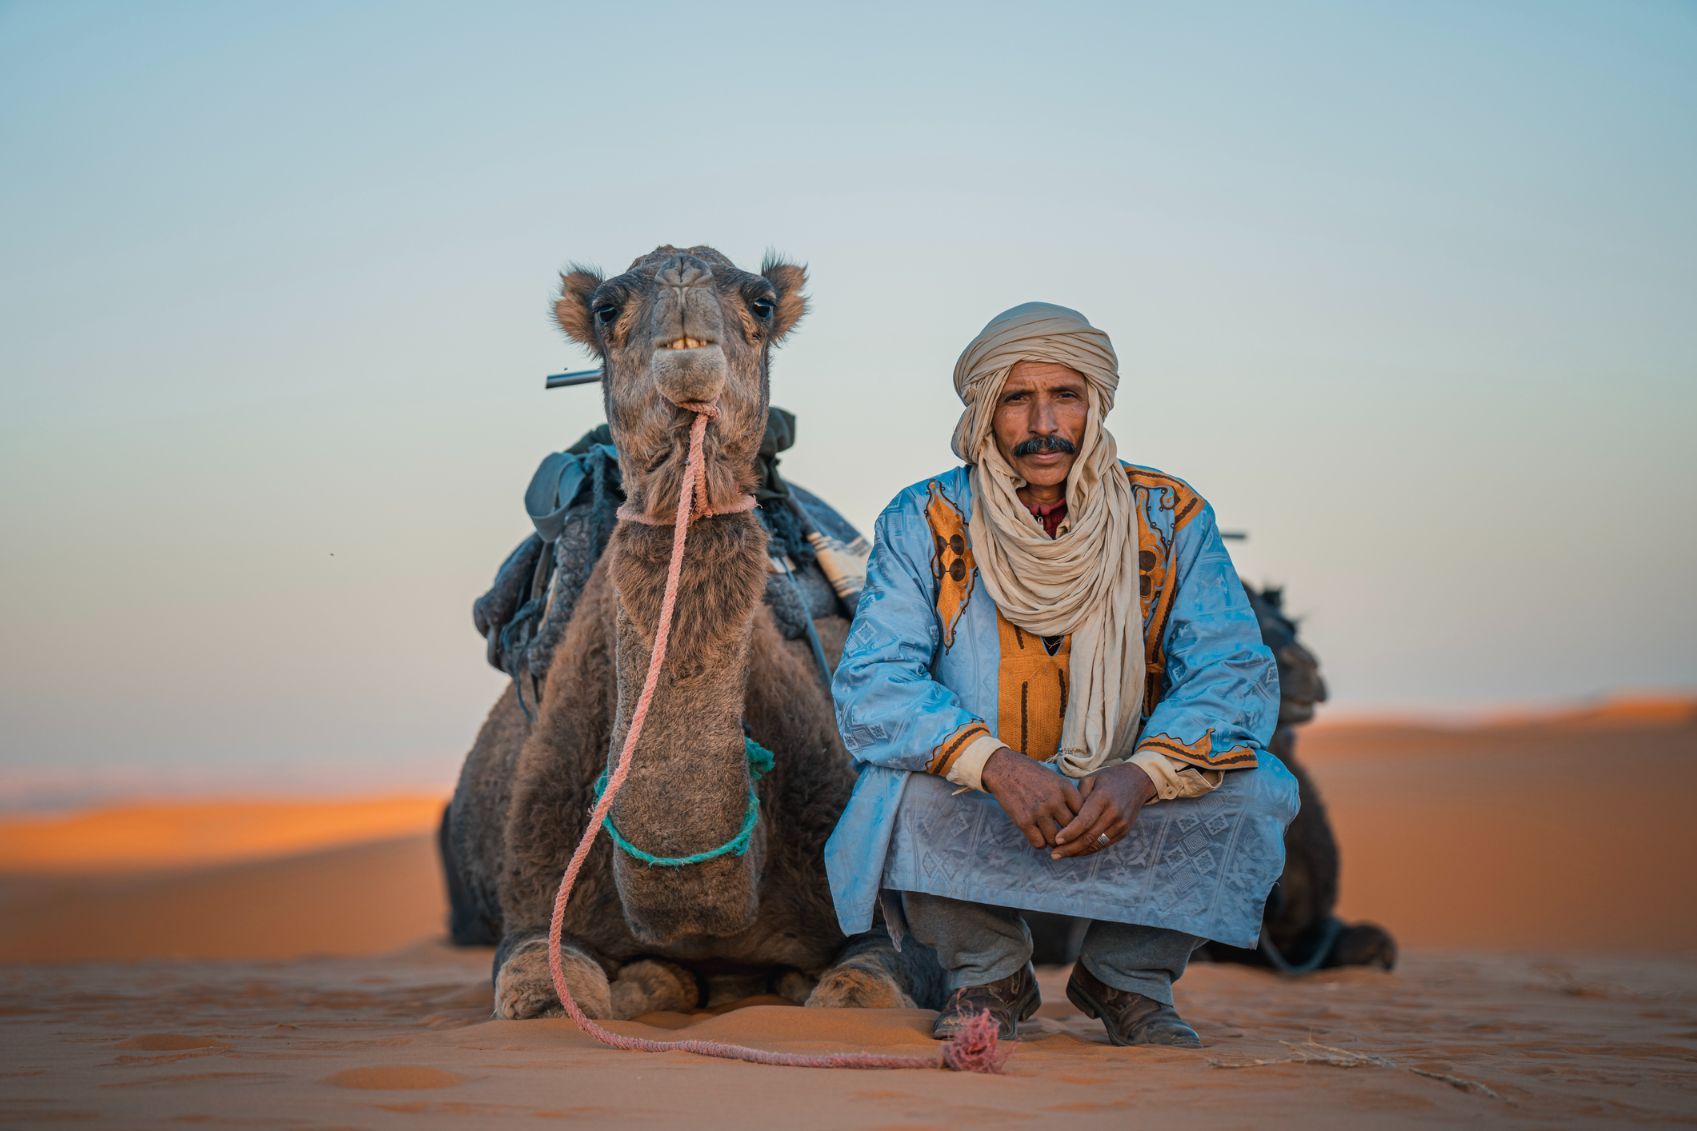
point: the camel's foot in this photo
(524, 987)
(652, 985)
(866, 977)
(794, 986)
(722, 989)
(1363, 944)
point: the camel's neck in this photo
(688, 787)
(729, 473)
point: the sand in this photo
(151, 837)
(1547, 976)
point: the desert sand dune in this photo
(1548, 975)
(156, 836)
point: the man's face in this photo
(1040, 420)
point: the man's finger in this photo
(1073, 798)
(1083, 841)
(1087, 816)
(1033, 834)
(1084, 845)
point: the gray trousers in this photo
(977, 943)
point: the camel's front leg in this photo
(871, 974)
(524, 986)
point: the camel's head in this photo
(683, 326)
(1301, 687)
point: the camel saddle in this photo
(817, 557)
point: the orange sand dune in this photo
(355, 899)
(1537, 837)
(1619, 710)
(178, 834)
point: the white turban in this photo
(1084, 581)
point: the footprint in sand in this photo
(393, 1077)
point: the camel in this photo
(679, 327)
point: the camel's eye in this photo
(762, 308)
(605, 313)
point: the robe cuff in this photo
(1174, 779)
(968, 767)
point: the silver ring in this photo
(1102, 840)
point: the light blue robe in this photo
(1202, 865)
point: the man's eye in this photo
(762, 308)
(605, 313)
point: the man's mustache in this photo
(1044, 444)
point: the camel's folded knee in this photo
(524, 985)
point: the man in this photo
(1059, 700)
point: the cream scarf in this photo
(1084, 581)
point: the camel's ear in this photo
(572, 310)
(788, 280)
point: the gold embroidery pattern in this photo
(945, 754)
(1201, 752)
(1155, 567)
(1031, 690)
(1179, 496)
(951, 561)
(1157, 587)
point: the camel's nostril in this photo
(684, 271)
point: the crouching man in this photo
(1059, 701)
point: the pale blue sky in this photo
(1406, 290)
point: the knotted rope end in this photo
(977, 1047)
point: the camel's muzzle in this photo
(695, 372)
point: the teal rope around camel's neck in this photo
(760, 762)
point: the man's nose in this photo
(1044, 420)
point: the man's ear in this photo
(788, 280)
(572, 310)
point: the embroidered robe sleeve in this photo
(1219, 695)
(890, 709)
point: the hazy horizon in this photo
(1404, 289)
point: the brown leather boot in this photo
(1010, 1000)
(1131, 1019)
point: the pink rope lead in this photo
(974, 1049)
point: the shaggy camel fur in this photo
(680, 326)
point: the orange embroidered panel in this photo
(1156, 583)
(951, 561)
(1179, 497)
(1201, 752)
(1031, 690)
(946, 752)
